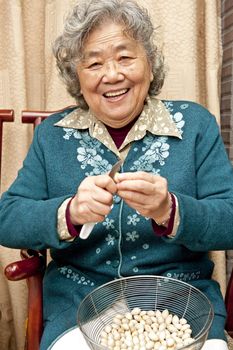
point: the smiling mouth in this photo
(116, 93)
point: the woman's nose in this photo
(112, 72)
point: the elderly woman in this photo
(170, 203)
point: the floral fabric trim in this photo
(155, 118)
(62, 228)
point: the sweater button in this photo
(115, 263)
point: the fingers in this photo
(94, 211)
(144, 192)
(141, 182)
(101, 195)
(134, 198)
(93, 199)
(138, 175)
(140, 186)
(81, 213)
(105, 182)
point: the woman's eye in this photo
(125, 57)
(94, 65)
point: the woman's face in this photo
(114, 75)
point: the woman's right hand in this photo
(93, 199)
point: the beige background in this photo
(189, 34)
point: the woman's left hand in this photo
(147, 193)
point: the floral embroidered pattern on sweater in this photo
(153, 151)
(178, 116)
(185, 276)
(75, 277)
(89, 153)
(132, 236)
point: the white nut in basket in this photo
(146, 330)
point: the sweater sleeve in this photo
(206, 221)
(28, 217)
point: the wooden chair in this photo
(33, 265)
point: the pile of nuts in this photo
(146, 330)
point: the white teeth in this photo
(115, 93)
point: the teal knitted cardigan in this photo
(199, 174)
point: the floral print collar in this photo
(154, 118)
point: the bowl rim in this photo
(117, 280)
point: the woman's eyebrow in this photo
(122, 47)
(90, 54)
(97, 53)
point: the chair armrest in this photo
(33, 263)
(32, 268)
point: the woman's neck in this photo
(118, 135)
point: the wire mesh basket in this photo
(147, 292)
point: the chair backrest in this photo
(35, 117)
(6, 115)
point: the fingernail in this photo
(116, 177)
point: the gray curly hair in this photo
(88, 15)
